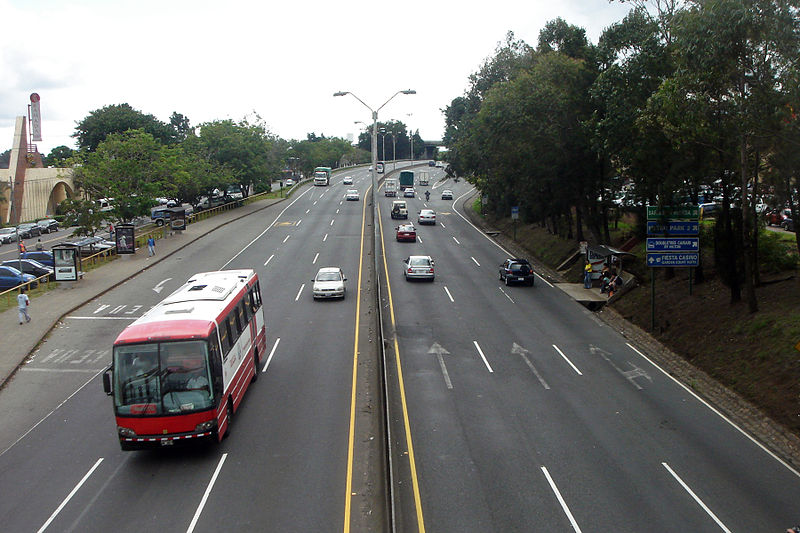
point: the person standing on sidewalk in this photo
(151, 246)
(587, 276)
(22, 303)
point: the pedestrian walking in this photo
(22, 303)
(39, 246)
(21, 247)
(151, 246)
(587, 276)
(111, 232)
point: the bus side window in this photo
(243, 312)
(225, 337)
(258, 295)
(216, 363)
(251, 301)
(233, 326)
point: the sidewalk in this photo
(46, 310)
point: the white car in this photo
(328, 283)
(288, 183)
(409, 192)
(447, 194)
(352, 194)
(427, 216)
(348, 180)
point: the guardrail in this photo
(8, 298)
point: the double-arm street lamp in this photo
(374, 127)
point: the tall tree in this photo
(100, 123)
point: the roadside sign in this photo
(673, 244)
(673, 259)
(673, 227)
(679, 211)
(515, 212)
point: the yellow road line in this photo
(406, 422)
(351, 434)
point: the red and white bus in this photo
(180, 371)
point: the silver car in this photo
(329, 283)
(427, 216)
(418, 267)
(8, 235)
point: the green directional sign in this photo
(679, 211)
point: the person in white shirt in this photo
(22, 303)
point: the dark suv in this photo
(516, 271)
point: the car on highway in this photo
(447, 194)
(328, 283)
(288, 183)
(29, 266)
(431, 163)
(516, 271)
(43, 257)
(399, 209)
(427, 216)
(419, 267)
(406, 232)
(47, 225)
(8, 235)
(28, 230)
(409, 192)
(10, 277)
(348, 180)
(352, 194)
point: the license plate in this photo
(520, 279)
(167, 442)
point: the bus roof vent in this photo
(179, 310)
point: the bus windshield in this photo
(162, 378)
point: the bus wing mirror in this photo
(107, 381)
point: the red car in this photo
(775, 217)
(406, 232)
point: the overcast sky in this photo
(282, 59)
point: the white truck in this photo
(390, 187)
(424, 179)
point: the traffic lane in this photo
(590, 353)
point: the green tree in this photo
(58, 156)
(100, 123)
(5, 159)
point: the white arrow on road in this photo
(630, 375)
(439, 350)
(160, 287)
(522, 352)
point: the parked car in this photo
(427, 216)
(43, 257)
(516, 271)
(352, 194)
(409, 192)
(348, 180)
(28, 230)
(205, 203)
(775, 217)
(788, 224)
(29, 266)
(8, 235)
(431, 163)
(328, 283)
(10, 277)
(419, 267)
(47, 225)
(406, 232)
(447, 194)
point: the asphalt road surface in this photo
(511, 408)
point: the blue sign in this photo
(673, 227)
(673, 244)
(673, 260)
(515, 212)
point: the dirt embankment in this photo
(743, 364)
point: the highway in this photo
(511, 408)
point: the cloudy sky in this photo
(282, 60)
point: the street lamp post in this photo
(382, 131)
(394, 146)
(411, 136)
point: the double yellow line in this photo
(406, 422)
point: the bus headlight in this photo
(206, 426)
(125, 432)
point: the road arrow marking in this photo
(439, 351)
(630, 375)
(522, 352)
(160, 287)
